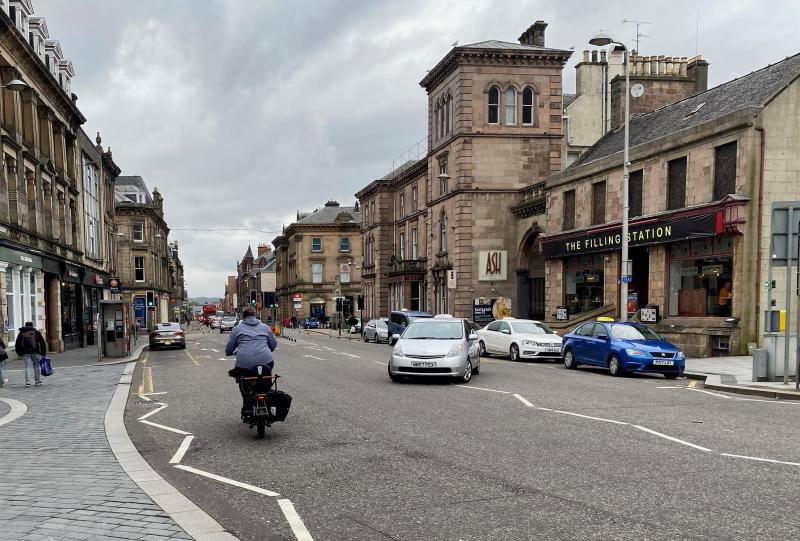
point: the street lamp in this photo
(601, 39)
(16, 85)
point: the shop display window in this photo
(584, 281)
(701, 278)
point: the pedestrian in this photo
(724, 300)
(3, 357)
(31, 346)
(294, 321)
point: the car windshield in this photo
(229, 319)
(434, 330)
(531, 327)
(412, 318)
(633, 332)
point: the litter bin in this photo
(759, 364)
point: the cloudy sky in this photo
(243, 111)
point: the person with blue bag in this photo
(30, 345)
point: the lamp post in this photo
(15, 85)
(601, 39)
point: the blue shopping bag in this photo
(44, 366)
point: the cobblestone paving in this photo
(58, 476)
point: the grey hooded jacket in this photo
(254, 341)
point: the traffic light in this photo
(338, 304)
(253, 297)
(361, 302)
(151, 299)
(271, 299)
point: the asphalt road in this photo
(525, 451)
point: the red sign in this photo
(173, 300)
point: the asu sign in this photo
(492, 265)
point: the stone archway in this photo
(530, 300)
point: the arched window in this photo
(443, 233)
(436, 121)
(527, 106)
(447, 115)
(511, 107)
(494, 106)
(442, 119)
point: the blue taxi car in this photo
(622, 347)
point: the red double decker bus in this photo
(208, 311)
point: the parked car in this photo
(400, 319)
(227, 324)
(440, 346)
(376, 331)
(519, 339)
(355, 328)
(622, 347)
(311, 323)
(167, 334)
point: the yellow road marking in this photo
(191, 357)
(693, 384)
(149, 376)
(144, 362)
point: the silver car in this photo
(439, 346)
(377, 330)
(227, 324)
(167, 334)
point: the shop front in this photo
(93, 284)
(20, 284)
(684, 266)
(72, 330)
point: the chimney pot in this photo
(603, 56)
(586, 55)
(594, 56)
(534, 35)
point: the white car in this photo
(520, 339)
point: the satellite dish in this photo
(637, 90)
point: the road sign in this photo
(627, 279)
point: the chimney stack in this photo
(264, 249)
(534, 35)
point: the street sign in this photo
(562, 313)
(451, 279)
(627, 279)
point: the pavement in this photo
(527, 450)
(734, 374)
(61, 477)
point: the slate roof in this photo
(135, 181)
(248, 253)
(327, 215)
(569, 98)
(497, 44)
(755, 89)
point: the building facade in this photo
(56, 225)
(255, 277)
(319, 260)
(230, 301)
(704, 174)
(144, 256)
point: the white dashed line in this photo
(168, 428)
(762, 459)
(670, 438)
(296, 523)
(227, 481)
(146, 415)
(178, 456)
(524, 401)
(482, 389)
(590, 417)
(708, 392)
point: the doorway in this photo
(640, 274)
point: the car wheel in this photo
(513, 352)
(569, 360)
(467, 373)
(671, 376)
(482, 348)
(393, 377)
(364, 337)
(615, 366)
(183, 346)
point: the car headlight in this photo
(529, 343)
(398, 349)
(456, 351)
(679, 355)
(635, 352)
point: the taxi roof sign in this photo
(606, 319)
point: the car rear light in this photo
(261, 397)
(179, 333)
(155, 334)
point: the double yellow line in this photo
(147, 377)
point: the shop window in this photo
(569, 210)
(635, 194)
(584, 283)
(701, 278)
(676, 184)
(724, 170)
(599, 203)
(11, 314)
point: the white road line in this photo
(145, 397)
(295, 522)
(148, 414)
(215, 350)
(151, 394)
(672, 387)
(708, 392)
(590, 417)
(313, 357)
(482, 389)
(178, 456)
(227, 481)
(18, 409)
(524, 401)
(379, 362)
(762, 459)
(164, 427)
(670, 438)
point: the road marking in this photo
(192, 357)
(148, 374)
(379, 362)
(18, 409)
(312, 357)
(670, 438)
(693, 384)
(708, 392)
(672, 387)
(762, 459)
(482, 389)
(178, 456)
(145, 398)
(152, 394)
(524, 401)
(163, 427)
(148, 414)
(227, 481)
(214, 350)
(590, 417)
(295, 522)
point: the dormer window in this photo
(494, 105)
